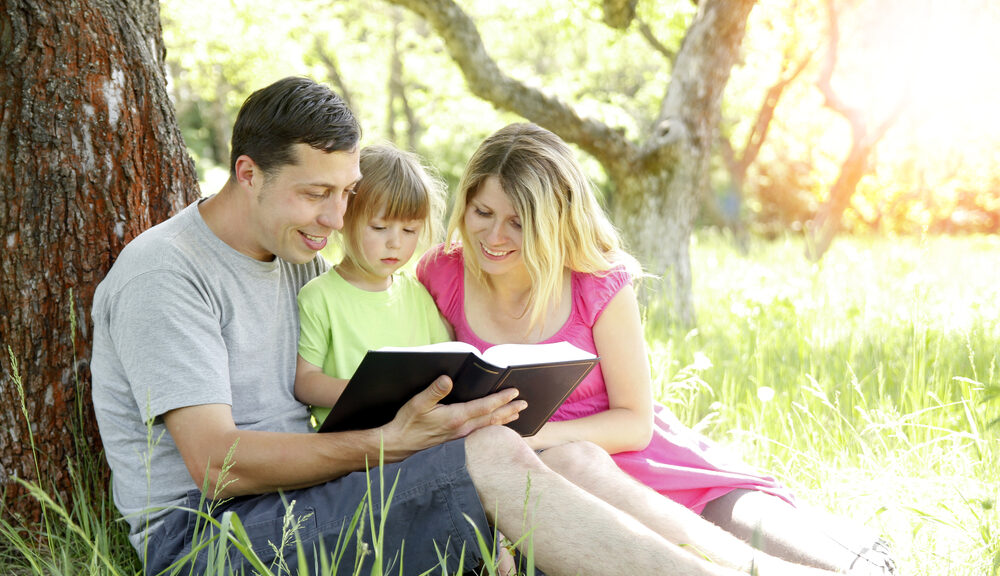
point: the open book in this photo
(544, 375)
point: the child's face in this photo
(389, 244)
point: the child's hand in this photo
(504, 559)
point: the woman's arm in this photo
(628, 423)
(314, 387)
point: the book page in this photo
(504, 355)
(439, 347)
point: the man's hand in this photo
(269, 461)
(424, 422)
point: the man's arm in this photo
(270, 461)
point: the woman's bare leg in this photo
(799, 535)
(571, 531)
(590, 468)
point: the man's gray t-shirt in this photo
(183, 319)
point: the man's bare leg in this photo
(571, 530)
(591, 468)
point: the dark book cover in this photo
(386, 379)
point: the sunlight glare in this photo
(943, 54)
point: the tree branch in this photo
(825, 225)
(487, 81)
(654, 42)
(700, 74)
(863, 133)
(333, 71)
(825, 81)
(757, 136)
(892, 117)
(397, 90)
(618, 14)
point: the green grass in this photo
(868, 383)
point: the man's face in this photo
(299, 205)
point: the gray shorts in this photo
(432, 510)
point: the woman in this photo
(533, 258)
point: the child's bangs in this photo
(405, 201)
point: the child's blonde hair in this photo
(400, 183)
(563, 223)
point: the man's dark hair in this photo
(294, 110)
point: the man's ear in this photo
(248, 173)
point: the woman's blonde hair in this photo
(399, 183)
(563, 223)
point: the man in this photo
(195, 332)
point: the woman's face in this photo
(494, 229)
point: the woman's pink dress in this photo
(678, 463)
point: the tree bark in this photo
(90, 156)
(656, 180)
(676, 157)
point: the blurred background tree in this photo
(841, 116)
(907, 88)
(654, 166)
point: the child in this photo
(364, 302)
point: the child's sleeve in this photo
(314, 326)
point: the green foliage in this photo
(935, 170)
(219, 51)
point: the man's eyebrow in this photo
(320, 184)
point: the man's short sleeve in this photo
(170, 343)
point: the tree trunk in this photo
(674, 161)
(739, 166)
(821, 231)
(90, 156)
(658, 213)
(656, 182)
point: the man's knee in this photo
(576, 458)
(496, 446)
(498, 450)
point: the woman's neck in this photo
(509, 292)
(503, 311)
